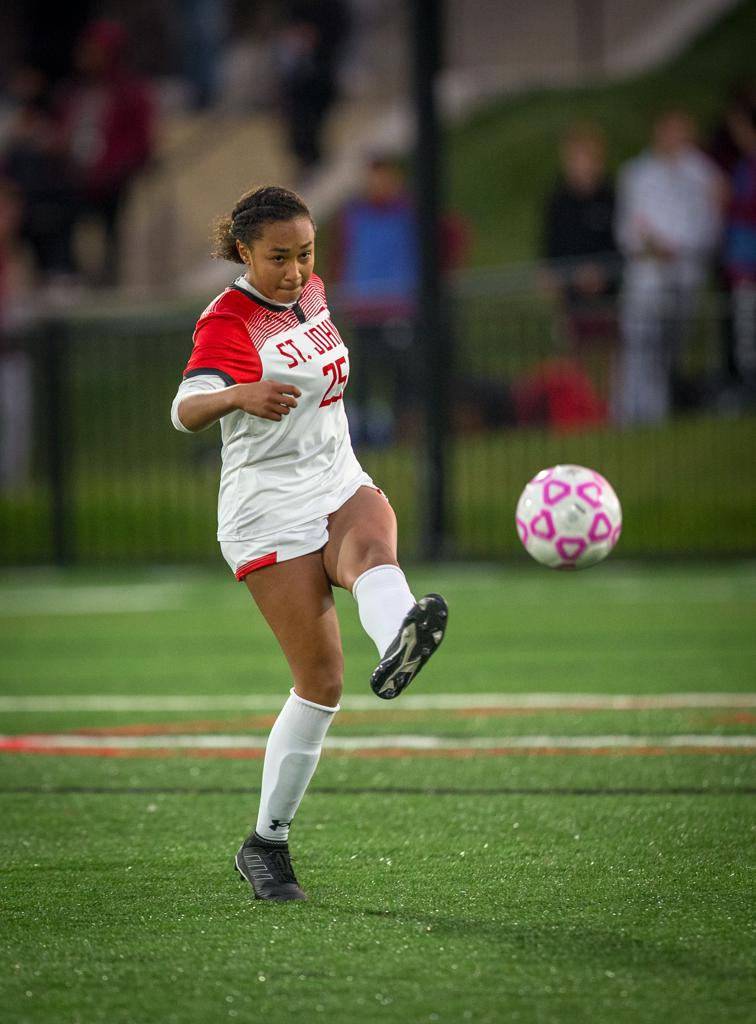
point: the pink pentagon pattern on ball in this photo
(555, 491)
(593, 500)
(570, 548)
(568, 517)
(547, 531)
(601, 527)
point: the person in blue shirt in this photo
(375, 264)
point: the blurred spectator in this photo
(309, 51)
(106, 114)
(668, 223)
(47, 34)
(740, 245)
(202, 26)
(32, 161)
(725, 147)
(375, 262)
(15, 364)
(578, 240)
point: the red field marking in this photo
(179, 728)
(248, 722)
(466, 752)
(114, 752)
(256, 754)
(735, 718)
(253, 722)
(370, 718)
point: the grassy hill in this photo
(502, 162)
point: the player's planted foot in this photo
(419, 636)
(267, 868)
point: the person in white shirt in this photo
(297, 515)
(668, 223)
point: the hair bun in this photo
(252, 211)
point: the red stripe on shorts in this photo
(256, 563)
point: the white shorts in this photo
(244, 556)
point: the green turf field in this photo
(555, 824)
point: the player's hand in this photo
(268, 399)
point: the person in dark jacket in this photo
(107, 133)
(42, 175)
(578, 240)
(740, 247)
(311, 41)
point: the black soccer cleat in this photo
(267, 868)
(419, 636)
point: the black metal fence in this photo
(93, 472)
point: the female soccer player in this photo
(297, 515)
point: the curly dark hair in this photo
(252, 212)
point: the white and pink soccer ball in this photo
(568, 517)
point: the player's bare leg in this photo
(361, 535)
(361, 556)
(296, 600)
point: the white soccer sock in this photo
(291, 757)
(383, 599)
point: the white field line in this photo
(64, 741)
(90, 600)
(363, 702)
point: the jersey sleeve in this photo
(195, 385)
(222, 346)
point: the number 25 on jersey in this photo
(338, 375)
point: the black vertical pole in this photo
(433, 336)
(55, 336)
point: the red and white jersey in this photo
(275, 475)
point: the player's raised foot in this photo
(420, 634)
(267, 868)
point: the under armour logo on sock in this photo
(275, 823)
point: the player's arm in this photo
(268, 399)
(224, 374)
